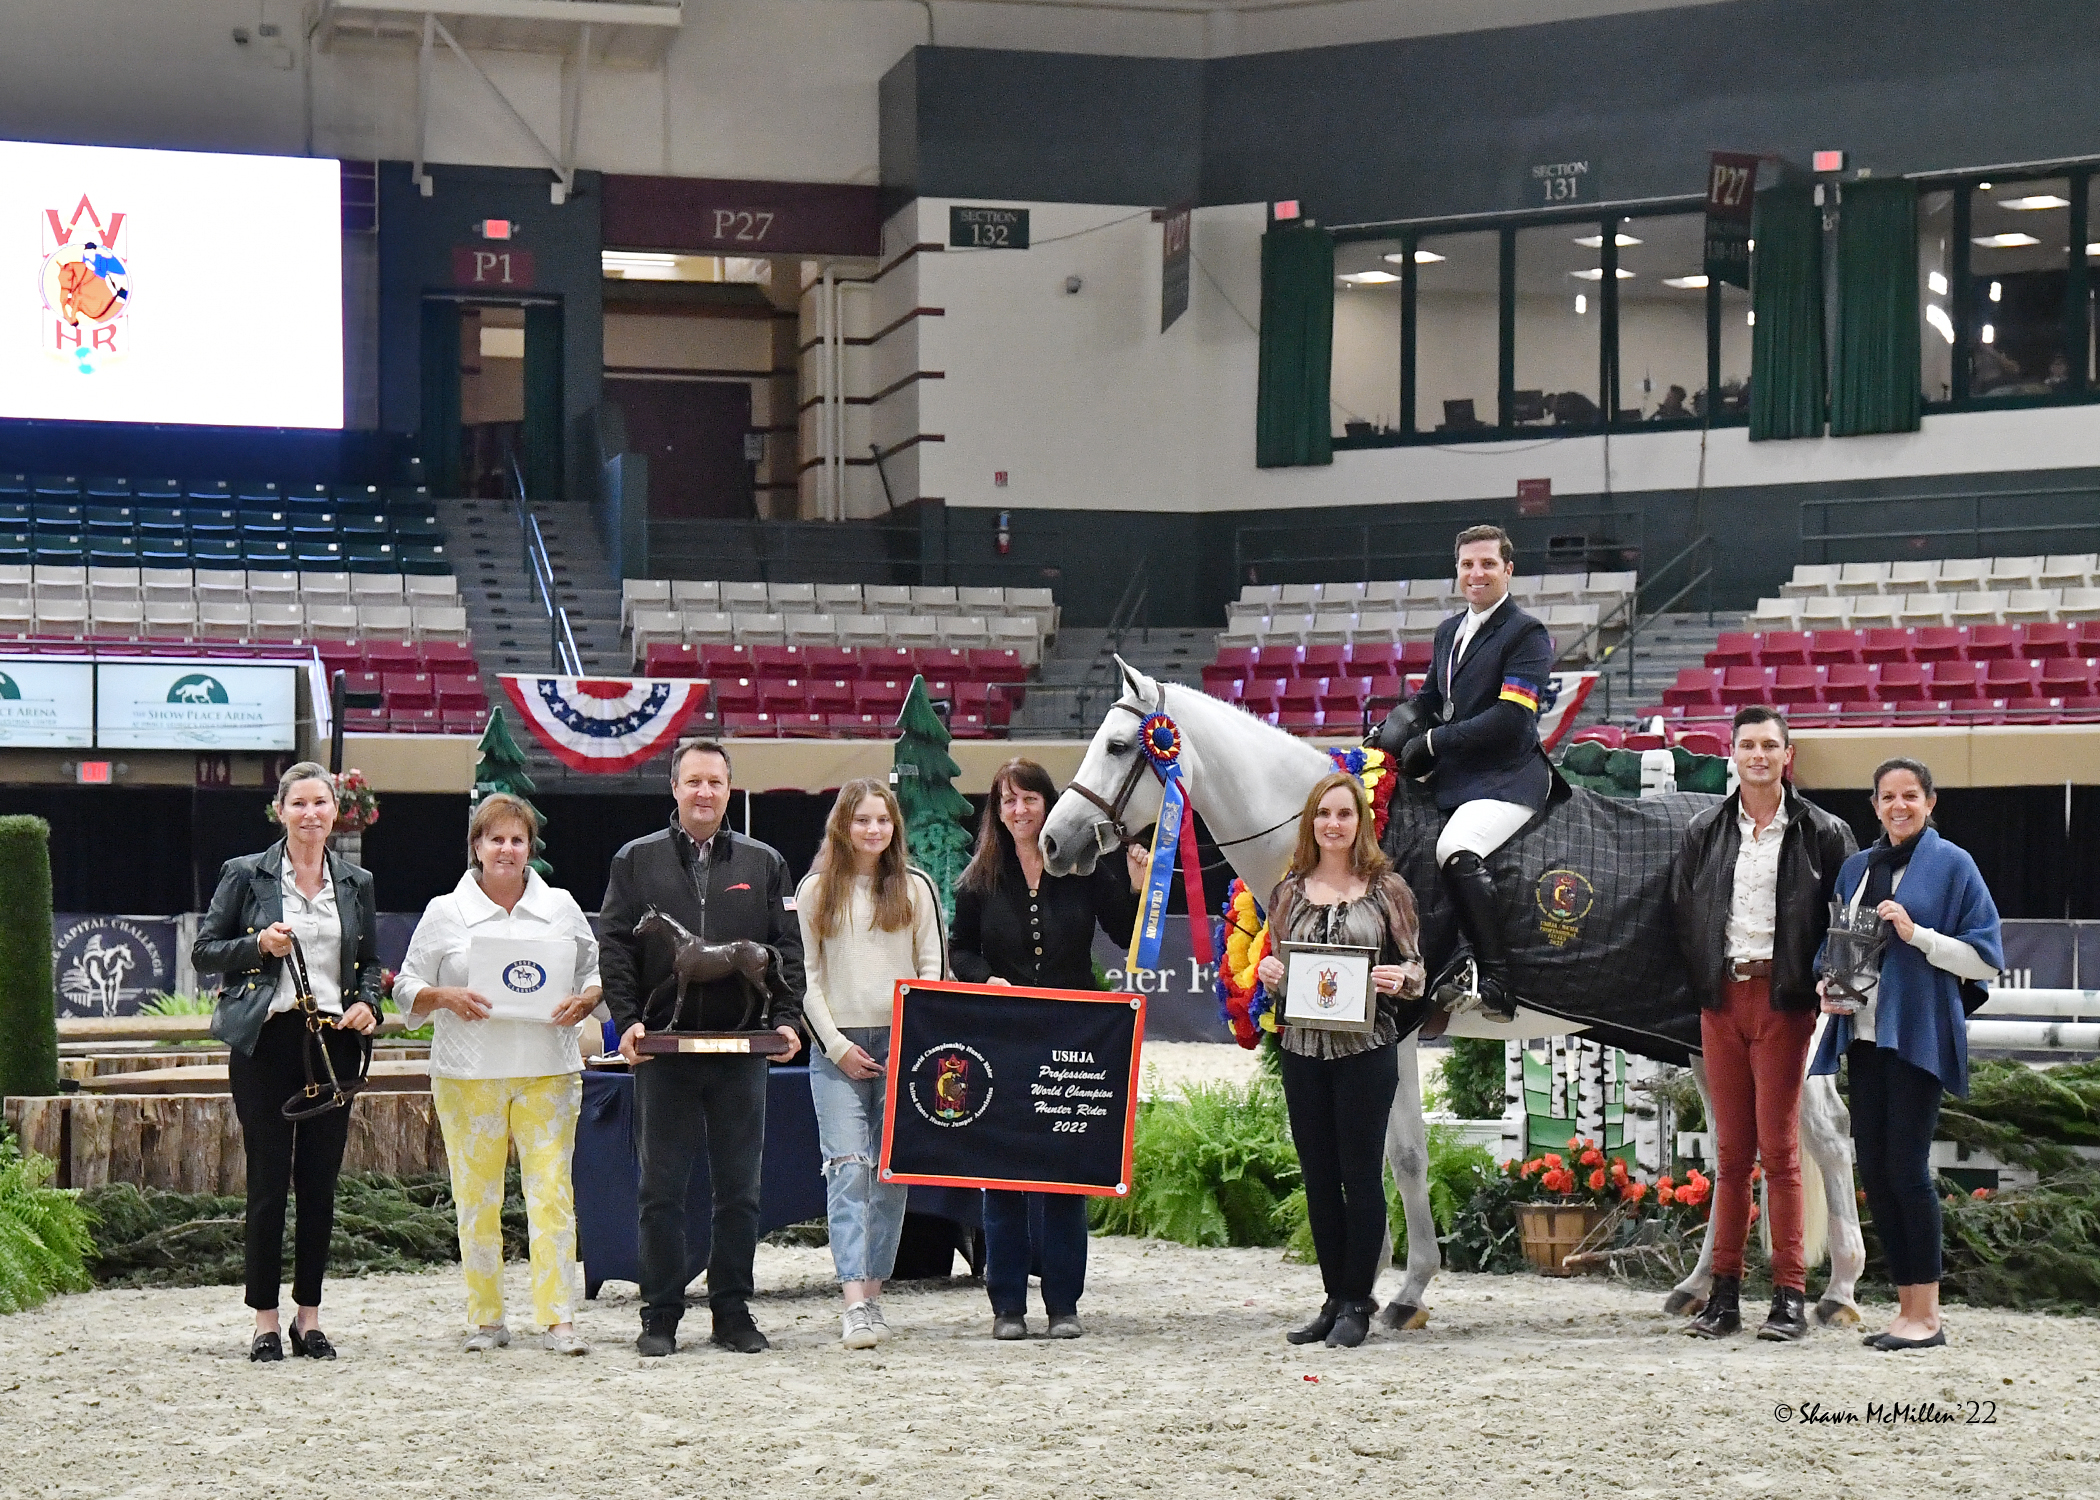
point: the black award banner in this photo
(998, 1086)
(1731, 183)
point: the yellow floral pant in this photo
(480, 1118)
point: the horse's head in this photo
(1114, 793)
(653, 922)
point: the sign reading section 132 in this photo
(987, 228)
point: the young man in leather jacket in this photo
(1750, 895)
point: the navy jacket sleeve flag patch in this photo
(1523, 694)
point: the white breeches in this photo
(1482, 826)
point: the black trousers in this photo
(286, 1158)
(1338, 1113)
(1895, 1106)
(683, 1105)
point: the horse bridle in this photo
(1113, 811)
(317, 1098)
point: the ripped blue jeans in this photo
(866, 1214)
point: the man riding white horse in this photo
(1472, 731)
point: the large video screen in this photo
(195, 705)
(170, 286)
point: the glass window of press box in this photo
(1545, 323)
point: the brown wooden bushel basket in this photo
(1551, 1232)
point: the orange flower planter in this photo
(1553, 1231)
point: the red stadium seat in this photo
(802, 724)
(1995, 642)
(1828, 647)
(663, 659)
(1303, 695)
(1957, 682)
(1741, 685)
(1225, 690)
(1809, 716)
(468, 723)
(1385, 689)
(1243, 657)
(881, 697)
(2082, 707)
(418, 721)
(2066, 677)
(441, 658)
(1415, 656)
(364, 682)
(1607, 735)
(1780, 648)
(1939, 643)
(340, 656)
(1348, 692)
(831, 661)
(391, 656)
(996, 664)
(2012, 680)
(2049, 640)
(735, 696)
(863, 726)
(1218, 680)
(1735, 648)
(1900, 682)
(776, 661)
(1643, 741)
(1848, 683)
(1301, 721)
(1703, 742)
(1375, 657)
(1886, 643)
(782, 696)
(725, 661)
(751, 724)
(1795, 685)
(831, 695)
(1701, 685)
(881, 663)
(458, 695)
(1325, 660)
(945, 662)
(365, 720)
(968, 727)
(1279, 660)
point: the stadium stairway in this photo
(1079, 673)
(1666, 643)
(504, 612)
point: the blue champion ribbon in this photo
(1160, 739)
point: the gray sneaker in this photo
(481, 1340)
(1066, 1326)
(857, 1329)
(1006, 1327)
(877, 1321)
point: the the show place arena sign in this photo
(1003, 1087)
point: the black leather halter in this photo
(317, 1098)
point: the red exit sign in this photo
(92, 773)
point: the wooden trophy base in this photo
(716, 1043)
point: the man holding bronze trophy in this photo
(689, 886)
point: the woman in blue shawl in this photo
(1902, 1028)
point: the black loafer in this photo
(1321, 1325)
(313, 1344)
(1352, 1325)
(1938, 1340)
(268, 1348)
(737, 1333)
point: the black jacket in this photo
(749, 895)
(1484, 722)
(250, 897)
(1045, 941)
(1702, 884)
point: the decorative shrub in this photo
(44, 1239)
(28, 1009)
(1475, 1086)
(1209, 1168)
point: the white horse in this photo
(1250, 782)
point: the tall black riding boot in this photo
(1472, 892)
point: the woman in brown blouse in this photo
(1339, 1085)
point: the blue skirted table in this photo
(607, 1174)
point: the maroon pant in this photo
(1755, 1059)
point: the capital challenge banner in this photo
(202, 705)
(1002, 1087)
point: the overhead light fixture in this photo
(1751, 318)
(1596, 273)
(1367, 278)
(1983, 187)
(2093, 248)
(1596, 241)
(2035, 200)
(1686, 283)
(2005, 241)
(1936, 283)
(1990, 334)
(1582, 304)
(1997, 291)
(1936, 317)
(1422, 258)
(637, 265)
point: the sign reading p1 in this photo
(485, 265)
(987, 228)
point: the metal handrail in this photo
(1975, 531)
(561, 639)
(1629, 643)
(1630, 605)
(1433, 560)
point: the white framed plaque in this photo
(1328, 987)
(522, 979)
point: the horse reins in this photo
(317, 1098)
(1114, 811)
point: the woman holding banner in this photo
(1016, 924)
(1338, 1085)
(498, 1079)
(868, 920)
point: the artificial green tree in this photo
(28, 1011)
(502, 769)
(935, 814)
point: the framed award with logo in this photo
(522, 979)
(1327, 986)
(998, 1086)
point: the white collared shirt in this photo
(437, 955)
(1475, 619)
(318, 926)
(1753, 907)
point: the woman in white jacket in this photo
(868, 920)
(494, 1080)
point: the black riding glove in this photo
(1416, 758)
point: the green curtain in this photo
(439, 432)
(543, 404)
(1786, 347)
(1874, 369)
(1291, 422)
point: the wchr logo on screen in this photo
(86, 285)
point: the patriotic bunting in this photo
(605, 724)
